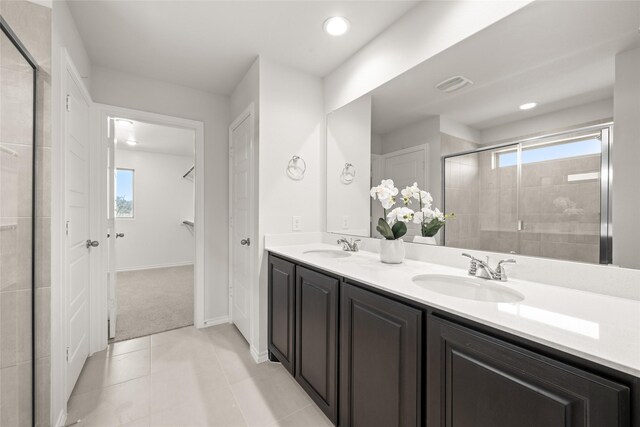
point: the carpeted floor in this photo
(154, 300)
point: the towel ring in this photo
(348, 174)
(296, 168)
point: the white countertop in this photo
(603, 329)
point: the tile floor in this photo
(188, 377)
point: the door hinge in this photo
(230, 222)
(67, 354)
(66, 228)
(230, 151)
(68, 106)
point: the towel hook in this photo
(296, 168)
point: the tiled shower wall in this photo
(461, 193)
(32, 25)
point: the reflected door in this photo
(406, 167)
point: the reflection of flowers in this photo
(568, 206)
(401, 214)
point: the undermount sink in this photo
(328, 253)
(471, 288)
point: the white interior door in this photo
(241, 217)
(78, 240)
(111, 230)
(405, 167)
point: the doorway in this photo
(152, 240)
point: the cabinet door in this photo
(380, 361)
(317, 338)
(282, 311)
(477, 381)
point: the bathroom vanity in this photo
(373, 347)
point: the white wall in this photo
(626, 155)
(426, 30)
(558, 120)
(291, 123)
(349, 141)
(459, 130)
(155, 236)
(125, 90)
(425, 131)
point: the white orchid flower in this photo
(418, 217)
(384, 191)
(388, 202)
(438, 215)
(402, 214)
(407, 194)
(428, 214)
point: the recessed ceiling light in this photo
(124, 122)
(131, 142)
(528, 106)
(336, 25)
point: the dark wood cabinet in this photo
(474, 380)
(316, 368)
(380, 360)
(282, 311)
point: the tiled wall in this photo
(32, 24)
(461, 193)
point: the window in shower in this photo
(543, 197)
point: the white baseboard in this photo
(151, 267)
(216, 321)
(259, 357)
(62, 419)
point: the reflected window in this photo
(124, 193)
(550, 151)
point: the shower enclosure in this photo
(18, 72)
(546, 196)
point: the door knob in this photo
(245, 242)
(119, 235)
(92, 243)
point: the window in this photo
(550, 151)
(124, 193)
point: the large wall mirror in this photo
(522, 131)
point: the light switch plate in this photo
(296, 223)
(345, 222)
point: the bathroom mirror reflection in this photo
(525, 138)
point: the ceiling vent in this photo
(453, 84)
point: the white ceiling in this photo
(558, 54)
(155, 138)
(210, 45)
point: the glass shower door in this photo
(17, 99)
(562, 184)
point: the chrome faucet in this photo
(349, 245)
(481, 269)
